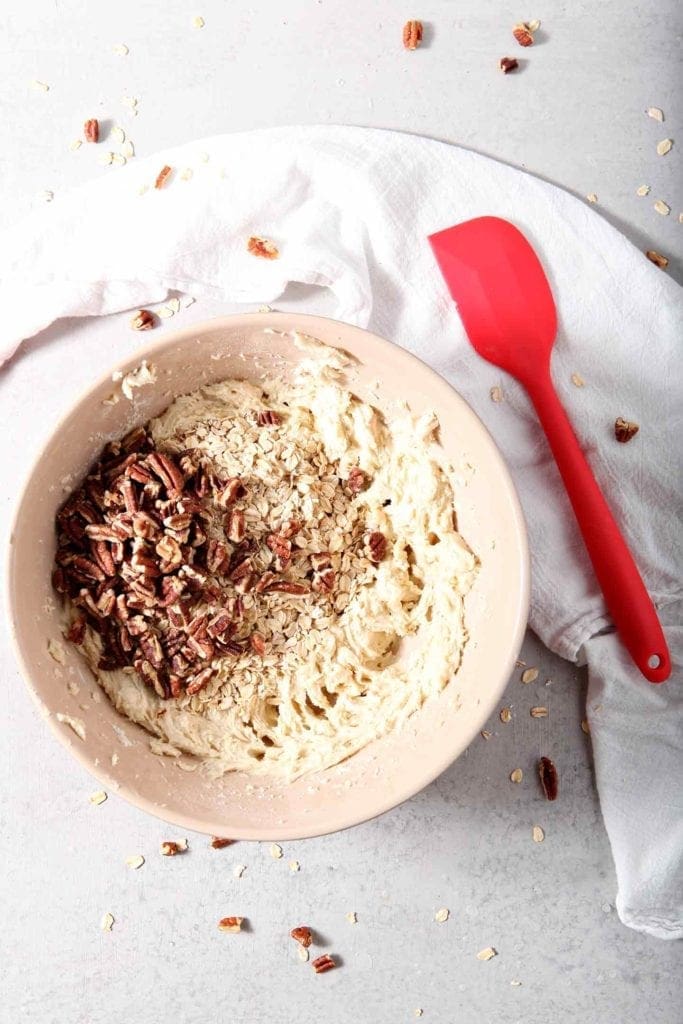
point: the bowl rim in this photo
(305, 323)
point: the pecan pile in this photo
(155, 556)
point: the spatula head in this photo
(501, 292)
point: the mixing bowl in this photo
(390, 769)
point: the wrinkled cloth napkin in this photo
(350, 210)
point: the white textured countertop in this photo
(574, 115)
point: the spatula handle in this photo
(627, 599)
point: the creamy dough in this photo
(356, 667)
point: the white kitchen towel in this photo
(350, 209)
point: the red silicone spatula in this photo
(508, 311)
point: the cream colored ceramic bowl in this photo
(389, 770)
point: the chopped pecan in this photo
(412, 34)
(523, 34)
(220, 625)
(235, 526)
(281, 548)
(230, 924)
(268, 418)
(102, 555)
(170, 848)
(76, 631)
(624, 430)
(303, 935)
(217, 557)
(163, 176)
(91, 130)
(199, 681)
(219, 844)
(375, 546)
(232, 489)
(258, 644)
(321, 560)
(262, 247)
(656, 257)
(323, 582)
(246, 583)
(264, 582)
(508, 64)
(87, 568)
(287, 587)
(357, 480)
(168, 472)
(323, 963)
(144, 320)
(290, 528)
(547, 773)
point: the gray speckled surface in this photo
(575, 116)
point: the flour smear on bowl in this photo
(268, 575)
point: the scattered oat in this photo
(519, 663)
(142, 376)
(239, 870)
(75, 144)
(534, 25)
(118, 134)
(165, 312)
(302, 953)
(121, 50)
(107, 922)
(294, 865)
(625, 430)
(204, 158)
(680, 218)
(352, 917)
(496, 394)
(485, 734)
(230, 924)
(664, 147)
(170, 848)
(662, 208)
(174, 304)
(516, 775)
(262, 247)
(130, 101)
(128, 149)
(47, 195)
(118, 159)
(577, 380)
(539, 712)
(275, 851)
(186, 174)
(537, 834)
(97, 797)
(419, 1011)
(506, 715)
(135, 862)
(487, 954)
(585, 726)
(56, 651)
(515, 983)
(643, 190)
(114, 756)
(106, 158)
(442, 915)
(655, 113)
(591, 197)
(40, 86)
(77, 725)
(529, 675)
(198, 21)
(143, 188)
